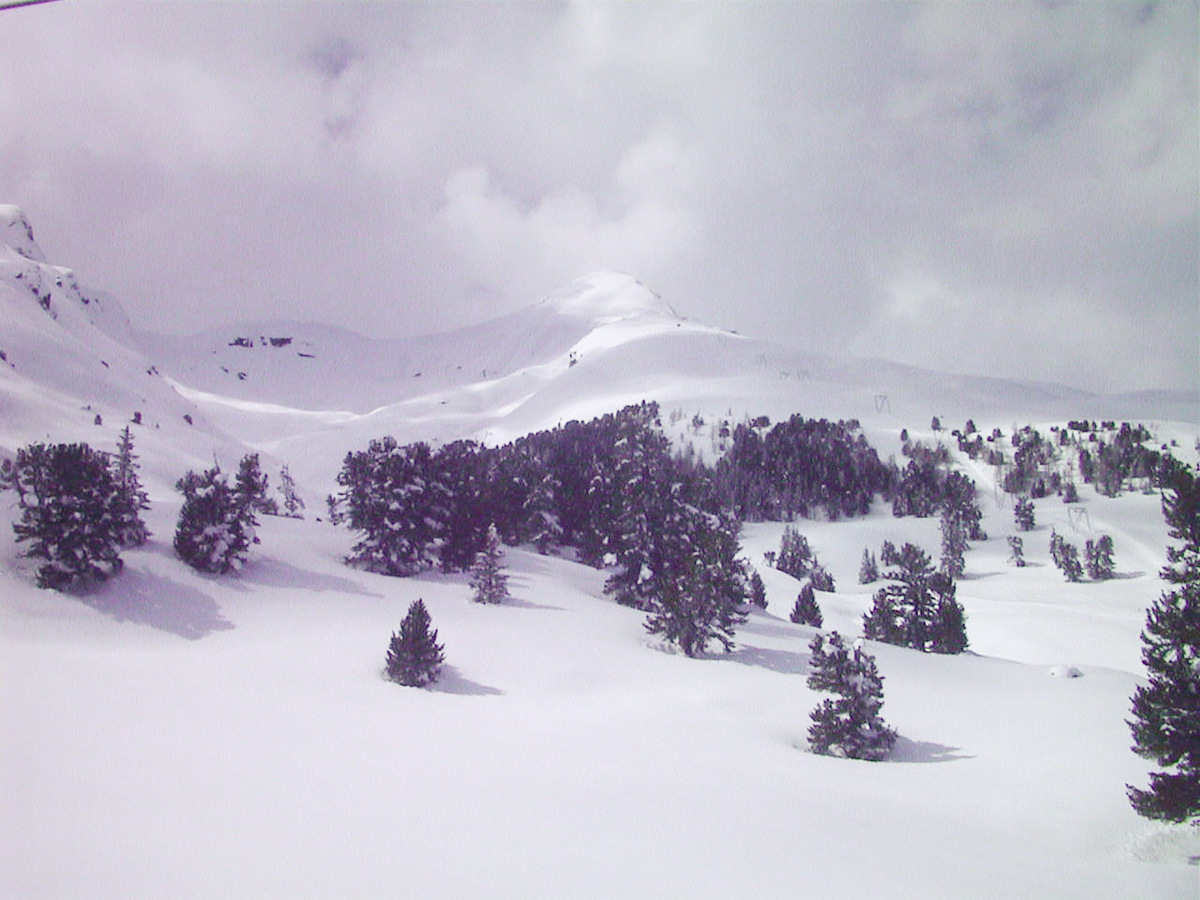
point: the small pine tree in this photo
(1098, 558)
(250, 485)
(131, 498)
(489, 583)
(805, 611)
(1067, 559)
(795, 555)
(414, 656)
(850, 725)
(758, 591)
(292, 501)
(954, 545)
(1016, 551)
(868, 569)
(69, 514)
(820, 578)
(1023, 513)
(1070, 493)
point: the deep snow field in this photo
(180, 735)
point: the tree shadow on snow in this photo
(910, 751)
(451, 681)
(787, 662)
(277, 573)
(145, 598)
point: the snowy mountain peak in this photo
(604, 297)
(16, 233)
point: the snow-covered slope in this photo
(306, 393)
(68, 372)
(180, 735)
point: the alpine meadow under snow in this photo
(176, 733)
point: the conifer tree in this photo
(1098, 558)
(954, 545)
(70, 514)
(919, 609)
(131, 497)
(414, 656)
(795, 555)
(820, 578)
(758, 591)
(1166, 710)
(1066, 558)
(215, 528)
(805, 611)
(389, 497)
(1024, 514)
(868, 569)
(1016, 551)
(488, 581)
(292, 501)
(701, 598)
(850, 725)
(250, 485)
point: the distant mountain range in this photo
(70, 355)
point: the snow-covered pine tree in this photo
(820, 578)
(795, 556)
(1098, 558)
(868, 569)
(69, 514)
(918, 609)
(1066, 558)
(1166, 710)
(387, 497)
(214, 531)
(488, 581)
(1016, 551)
(1023, 513)
(805, 610)
(701, 595)
(542, 523)
(954, 545)
(293, 503)
(250, 485)
(849, 725)
(758, 590)
(131, 497)
(414, 656)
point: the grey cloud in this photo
(1003, 188)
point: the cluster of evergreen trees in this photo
(218, 521)
(611, 489)
(799, 468)
(80, 507)
(918, 608)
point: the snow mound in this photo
(1064, 671)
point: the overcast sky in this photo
(1006, 189)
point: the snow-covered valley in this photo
(174, 734)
